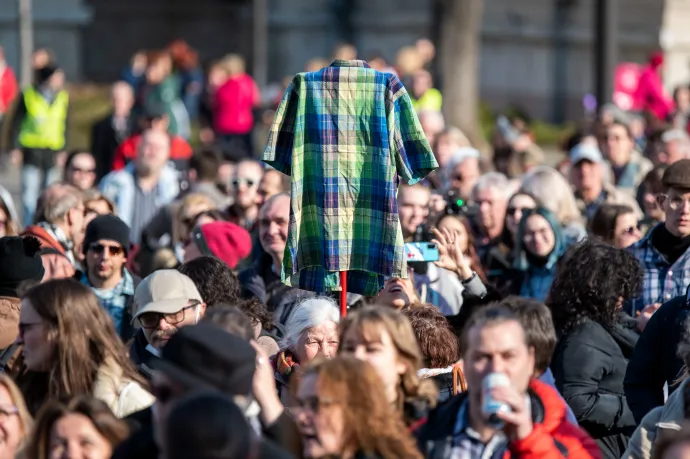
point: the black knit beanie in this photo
(19, 261)
(107, 227)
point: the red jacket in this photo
(651, 95)
(127, 151)
(553, 437)
(8, 88)
(47, 241)
(233, 104)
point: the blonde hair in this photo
(190, 200)
(25, 420)
(546, 185)
(408, 60)
(369, 322)
(233, 64)
(94, 195)
(456, 136)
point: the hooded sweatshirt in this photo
(538, 273)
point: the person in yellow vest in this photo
(39, 128)
(424, 95)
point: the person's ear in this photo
(202, 309)
(401, 367)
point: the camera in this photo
(455, 205)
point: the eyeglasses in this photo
(7, 411)
(312, 404)
(99, 249)
(152, 319)
(675, 203)
(23, 327)
(244, 181)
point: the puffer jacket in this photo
(661, 420)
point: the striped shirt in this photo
(146, 208)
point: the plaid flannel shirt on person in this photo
(344, 134)
(661, 280)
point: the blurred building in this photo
(536, 54)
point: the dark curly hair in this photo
(591, 279)
(216, 282)
(435, 337)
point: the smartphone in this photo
(421, 251)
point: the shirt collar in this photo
(354, 63)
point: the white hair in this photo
(309, 313)
(494, 180)
(458, 157)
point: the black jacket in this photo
(589, 366)
(104, 142)
(141, 445)
(261, 282)
(141, 357)
(655, 360)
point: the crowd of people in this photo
(142, 312)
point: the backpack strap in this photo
(459, 382)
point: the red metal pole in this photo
(343, 293)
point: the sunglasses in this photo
(243, 181)
(190, 222)
(99, 249)
(83, 171)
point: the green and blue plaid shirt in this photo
(345, 134)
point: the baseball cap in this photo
(166, 291)
(585, 151)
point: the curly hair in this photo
(591, 280)
(371, 425)
(215, 280)
(435, 337)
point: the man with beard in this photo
(144, 186)
(106, 245)
(165, 301)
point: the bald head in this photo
(122, 96)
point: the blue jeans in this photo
(34, 180)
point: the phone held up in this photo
(421, 251)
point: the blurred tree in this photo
(460, 38)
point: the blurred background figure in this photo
(8, 86)
(233, 107)
(108, 133)
(80, 170)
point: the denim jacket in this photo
(119, 186)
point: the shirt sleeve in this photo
(281, 137)
(412, 153)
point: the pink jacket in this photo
(651, 95)
(8, 87)
(233, 105)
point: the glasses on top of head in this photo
(99, 249)
(152, 319)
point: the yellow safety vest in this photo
(44, 123)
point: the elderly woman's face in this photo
(321, 340)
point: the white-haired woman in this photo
(311, 331)
(547, 186)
